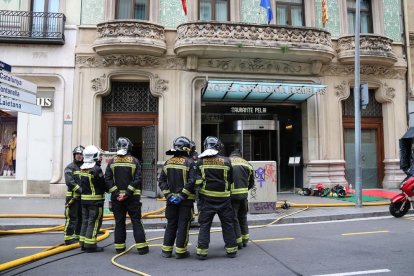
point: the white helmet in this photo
(91, 154)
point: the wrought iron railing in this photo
(32, 27)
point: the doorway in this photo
(371, 152)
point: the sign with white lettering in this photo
(45, 102)
(11, 104)
(248, 109)
(7, 78)
(5, 66)
(16, 93)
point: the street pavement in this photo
(45, 205)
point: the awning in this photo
(267, 92)
(409, 134)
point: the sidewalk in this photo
(37, 205)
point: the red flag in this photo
(184, 3)
(325, 16)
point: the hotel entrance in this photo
(265, 133)
(262, 119)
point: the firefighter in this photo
(243, 181)
(177, 176)
(213, 178)
(124, 179)
(92, 198)
(73, 210)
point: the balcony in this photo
(32, 27)
(374, 49)
(130, 37)
(219, 39)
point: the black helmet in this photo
(123, 146)
(182, 143)
(193, 146)
(212, 142)
(78, 149)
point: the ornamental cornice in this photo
(130, 28)
(373, 70)
(130, 60)
(256, 65)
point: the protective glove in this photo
(177, 199)
(172, 198)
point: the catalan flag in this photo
(325, 16)
(184, 3)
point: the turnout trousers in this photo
(241, 228)
(178, 227)
(92, 215)
(73, 222)
(132, 206)
(205, 218)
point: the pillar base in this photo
(327, 172)
(393, 175)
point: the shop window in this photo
(218, 10)
(132, 9)
(366, 16)
(290, 12)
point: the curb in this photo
(264, 221)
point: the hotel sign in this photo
(248, 110)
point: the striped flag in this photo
(325, 16)
(184, 3)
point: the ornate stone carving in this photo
(120, 36)
(258, 35)
(239, 38)
(373, 49)
(130, 28)
(98, 83)
(158, 86)
(256, 65)
(389, 91)
(341, 90)
(125, 60)
(379, 71)
(130, 60)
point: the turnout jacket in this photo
(243, 177)
(72, 179)
(123, 175)
(213, 178)
(93, 186)
(178, 177)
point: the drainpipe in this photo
(408, 58)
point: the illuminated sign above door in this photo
(267, 92)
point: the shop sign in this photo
(45, 102)
(248, 109)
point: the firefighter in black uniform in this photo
(92, 198)
(243, 181)
(176, 178)
(123, 176)
(73, 210)
(213, 179)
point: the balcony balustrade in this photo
(32, 27)
(374, 49)
(225, 39)
(130, 37)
